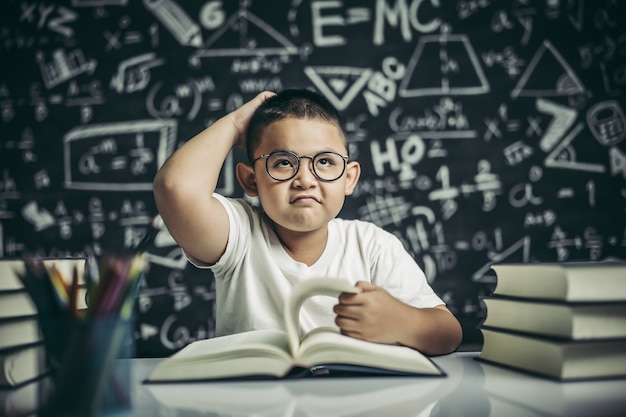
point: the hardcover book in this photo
(557, 359)
(567, 281)
(577, 321)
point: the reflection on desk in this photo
(472, 388)
(320, 397)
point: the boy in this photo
(300, 171)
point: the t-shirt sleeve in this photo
(397, 272)
(238, 222)
(240, 216)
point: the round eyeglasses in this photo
(284, 165)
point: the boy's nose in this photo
(305, 176)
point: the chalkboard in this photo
(488, 131)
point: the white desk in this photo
(471, 388)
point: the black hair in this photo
(296, 103)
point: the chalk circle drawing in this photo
(444, 64)
(92, 159)
(174, 101)
(339, 84)
(548, 75)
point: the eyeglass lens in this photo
(327, 166)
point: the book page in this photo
(248, 353)
(332, 287)
(269, 340)
(325, 345)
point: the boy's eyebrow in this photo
(315, 153)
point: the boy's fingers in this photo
(366, 286)
(346, 311)
(347, 298)
(346, 324)
(264, 95)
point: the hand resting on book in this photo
(372, 314)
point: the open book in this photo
(262, 354)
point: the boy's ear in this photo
(247, 178)
(353, 173)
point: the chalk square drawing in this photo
(443, 65)
(254, 36)
(92, 158)
(339, 84)
(548, 75)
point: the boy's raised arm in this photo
(184, 185)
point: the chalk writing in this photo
(486, 131)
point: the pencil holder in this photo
(90, 363)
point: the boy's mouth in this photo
(303, 199)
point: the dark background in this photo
(488, 131)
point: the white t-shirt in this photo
(254, 276)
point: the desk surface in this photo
(471, 388)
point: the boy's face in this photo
(303, 203)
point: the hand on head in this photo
(241, 117)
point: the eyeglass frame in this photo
(298, 158)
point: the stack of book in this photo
(565, 321)
(22, 354)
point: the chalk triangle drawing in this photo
(483, 274)
(253, 35)
(443, 65)
(564, 155)
(340, 85)
(547, 75)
